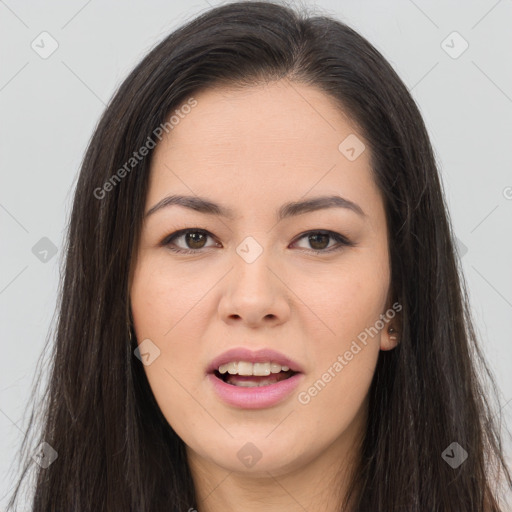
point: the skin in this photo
(253, 150)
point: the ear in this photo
(392, 331)
(390, 337)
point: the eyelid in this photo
(180, 232)
(342, 240)
(333, 234)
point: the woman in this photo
(262, 308)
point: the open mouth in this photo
(252, 381)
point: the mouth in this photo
(253, 381)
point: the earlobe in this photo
(392, 332)
(390, 338)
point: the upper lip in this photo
(253, 356)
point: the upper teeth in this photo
(246, 368)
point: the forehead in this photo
(261, 145)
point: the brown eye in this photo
(193, 240)
(319, 241)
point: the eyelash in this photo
(342, 240)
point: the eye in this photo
(195, 239)
(193, 236)
(319, 241)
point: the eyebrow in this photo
(203, 205)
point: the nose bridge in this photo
(252, 264)
(253, 292)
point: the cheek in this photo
(158, 302)
(345, 355)
(347, 298)
(350, 304)
(161, 305)
(334, 400)
(163, 298)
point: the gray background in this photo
(49, 108)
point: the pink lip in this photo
(258, 356)
(256, 397)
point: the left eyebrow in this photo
(203, 205)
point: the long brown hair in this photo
(115, 449)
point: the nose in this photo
(255, 294)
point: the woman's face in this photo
(255, 282)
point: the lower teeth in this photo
(248, 384)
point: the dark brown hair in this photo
(116, 451)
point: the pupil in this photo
(323, 246)
(191, 235)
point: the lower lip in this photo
(256, 397)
